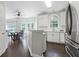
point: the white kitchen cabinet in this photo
(62, 39)
(55, 37)
(52, 36)
(43, 22)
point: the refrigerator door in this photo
(74, 23)
(72, 31)
(71, 22)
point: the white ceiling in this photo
(31, 8)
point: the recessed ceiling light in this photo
(70, 1)
(48, 3)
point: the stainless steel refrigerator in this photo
(72, 30)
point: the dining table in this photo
(15, 35)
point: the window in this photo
(25, 26)
(11, 26)
(54, 23)
(32, 25)
(28, 26)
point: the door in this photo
(74, 23)
(71, 24)
(3, 39)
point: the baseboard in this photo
(55, 42)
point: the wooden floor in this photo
(56, 50)
(53, 50)
(16, 49)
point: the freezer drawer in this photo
(71, 49)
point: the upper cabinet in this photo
(43, 22)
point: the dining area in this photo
(14, 36)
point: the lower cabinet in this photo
(52, 37)
(57, 37)
(62, 38)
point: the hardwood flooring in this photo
(56, 50)
(16, 50)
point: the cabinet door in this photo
(56, 37)
(42, 22)
(62, 39)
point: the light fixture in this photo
(18, 13)
(48, 3)
(70, 2)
